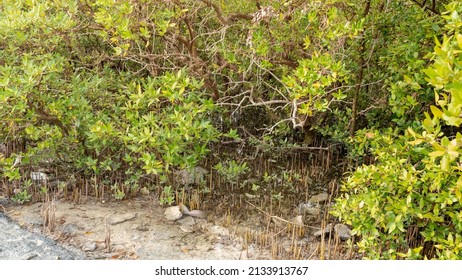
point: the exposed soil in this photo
(137, 229)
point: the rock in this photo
(186, 220)
(195, 175)
(198, 214)
(326, 230)
(39, 177)
(173, 213)
(89, 247)
(144, 191)
(122, 218)
(4, 201)
(343, 231)
(297, 221)
(194, 213)
(187, 224)
(319, 198)
(17, 243)
(309, 209)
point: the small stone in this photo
(144, 191)
(122, 218)
(89, 247)
(343, 231)
(326, 230)
(297, 221)
(319, 198)
(142, 228)
(173, 213)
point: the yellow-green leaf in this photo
(436, 112)
(437, 153)
(459, 40)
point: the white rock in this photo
(39, 177)
(173, 213)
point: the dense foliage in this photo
(408, 204)
(125, 91)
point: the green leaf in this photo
(436, 112)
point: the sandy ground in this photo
(132, 229)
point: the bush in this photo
(409, 203)
(65, 95)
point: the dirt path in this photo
(137, 229)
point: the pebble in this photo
(142, 228)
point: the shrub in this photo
(409, 203)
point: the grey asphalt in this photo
(17, 243)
